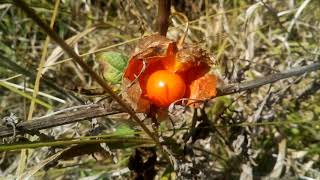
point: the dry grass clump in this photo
(269, 132)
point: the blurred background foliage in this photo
(269, 132)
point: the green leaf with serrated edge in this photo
(112, 65)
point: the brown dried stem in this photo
(244, 86)
(163, 16)
(68, 117)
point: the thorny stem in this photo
(78, 59)
(163, 16)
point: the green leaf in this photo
(124, 130)
(112, 65)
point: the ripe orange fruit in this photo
(165, 87)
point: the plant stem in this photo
(163, 16)
(244, 86)
(112, 142)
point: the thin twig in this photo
(244, 86)
(72, 116)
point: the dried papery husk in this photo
(151, 54)
(154, 53)
(192, 55)
(133, 95)
(153, 46)
(203, 88)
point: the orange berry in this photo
(165, 87)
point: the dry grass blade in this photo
(31, 90)
(58, 52)
(23, 94)
(297, 14)
(33, 170)
(14, 67)
(278, 167)
(24, 155)
(97, 51)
